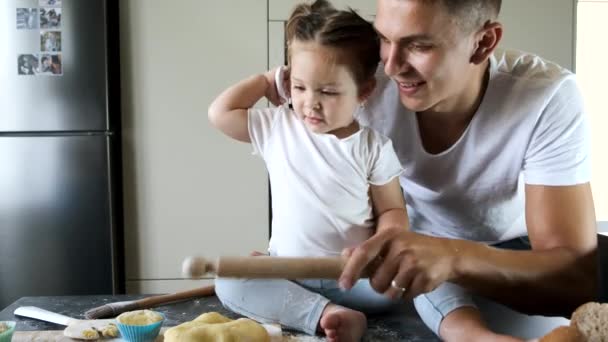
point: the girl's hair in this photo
(353, 38)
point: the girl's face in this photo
(324, 94)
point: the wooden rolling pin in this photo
(266, 267)
(116, 308)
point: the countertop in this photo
(400, 325)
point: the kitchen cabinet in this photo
(188, 189)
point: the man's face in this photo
(426, 52)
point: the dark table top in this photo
(400, 325)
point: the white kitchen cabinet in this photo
(188, 189)
(592, 71)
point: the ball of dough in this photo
(213, 327)
(194, 267)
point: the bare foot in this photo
(342, 324)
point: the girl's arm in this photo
(389, 206)
(228, 112)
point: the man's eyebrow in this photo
(409, 39)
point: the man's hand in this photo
(402, 259)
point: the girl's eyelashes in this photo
(322, 91)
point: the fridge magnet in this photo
(50, 18)
(27, 18)
(50, 65)
(28, 64)
(49, 3)
(50, 41)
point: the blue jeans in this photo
(435, 305)
(296, 304)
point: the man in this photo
(496, 147)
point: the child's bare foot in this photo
(342, 324)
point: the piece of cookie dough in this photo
(212, 327)
(109, 330)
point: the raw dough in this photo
(139, 317)
(213, 327)
(109, 330)
(90, 334)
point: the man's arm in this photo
(559, 273)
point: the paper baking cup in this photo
(139, 333)
(8, 335)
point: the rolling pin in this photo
(266, 267)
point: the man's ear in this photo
(366, 90)
(487, 40)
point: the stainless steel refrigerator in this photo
(60, 173)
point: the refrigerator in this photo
(60, 161)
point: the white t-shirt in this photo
(320, 183)
(531, 128)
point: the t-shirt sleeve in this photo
(260, 123)
(385, 164)
(559, 150)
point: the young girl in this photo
(332, 180)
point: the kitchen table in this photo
(399, 325)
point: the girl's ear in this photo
(367, 89)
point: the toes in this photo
(331, 334)
(330, 322)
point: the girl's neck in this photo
(346, 131)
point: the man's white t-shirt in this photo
(530, 128)
(320, 183)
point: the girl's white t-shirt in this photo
(320, 183)
(531, 128)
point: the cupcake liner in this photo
(139, 333)
(8, 335)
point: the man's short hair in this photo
(472, 14)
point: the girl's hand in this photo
(272, 94)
